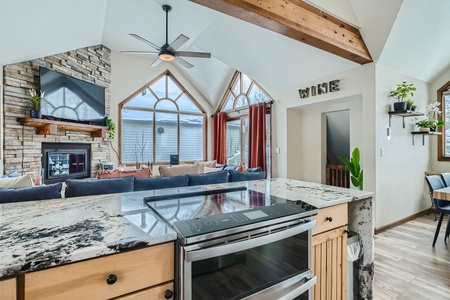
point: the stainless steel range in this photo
(240, 244)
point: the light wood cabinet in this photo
(329, 256)
(159, 292)
(104, 277)
(8, 289)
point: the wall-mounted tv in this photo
(70, 99)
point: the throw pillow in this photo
(209, 164)
(210, 170)
(16, 182)
(88, 187)
(165, 171)
(221, 166)
(42, 192)
(11, 174)
(209, 178)
(145, 184)
(245, 176)
(241, 168)
(230, 167)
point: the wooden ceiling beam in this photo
(300, 21)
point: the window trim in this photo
(441, 139)
(154, 111)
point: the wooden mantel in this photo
(51, 127)
(300, 21)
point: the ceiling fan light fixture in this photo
(166, 56)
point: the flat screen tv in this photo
(70, 99)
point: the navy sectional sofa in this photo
(89, 187)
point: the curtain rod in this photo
(239, 109)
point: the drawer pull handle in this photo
(168, 294)
(111, 279)
(329, 219)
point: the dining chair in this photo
(443, 207)
(446, 178)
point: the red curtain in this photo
(257, 136)
(220, 138)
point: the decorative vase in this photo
(398, 106)
(35, 114)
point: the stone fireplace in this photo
(23, 144)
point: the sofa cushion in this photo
(145, 184)
(141, 173)
(208, 178)
(244, 176)
(221, 166)
(165, 171)
(42, 192)
(257, 169)
(230, 167)
(88, 187)
(16, 182)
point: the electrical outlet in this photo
(381, 152)
(305, 175)
(277, 150)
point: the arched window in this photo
(242, 92)
(160, 120)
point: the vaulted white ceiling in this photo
(408, 36)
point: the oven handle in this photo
(195, 255)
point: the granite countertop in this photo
(39, 234)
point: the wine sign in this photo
(321, 88)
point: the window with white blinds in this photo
(159, 120)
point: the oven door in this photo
(269, 263)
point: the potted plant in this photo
(402, 91)
(409, 104)
(36, 103)
(431, 123)
(413, 107)
(353, 165)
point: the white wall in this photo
(1, 120)
(400, 172)
(299, 125)
(440, 81)
(130, 73)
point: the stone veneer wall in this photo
(22, 146)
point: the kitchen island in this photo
(42, 234)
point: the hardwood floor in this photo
(407, 267)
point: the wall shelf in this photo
(44, 126)
(403, 113)
(423, 134)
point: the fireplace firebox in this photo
(63, 161)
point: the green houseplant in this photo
(353, 165)
(431, 123)
(36, 103)
(402, 91)
(111, 132)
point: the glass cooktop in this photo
(204, 212)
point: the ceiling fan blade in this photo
(183, 62)
(145, 41)
(193, 54)
(139, 52)
(178, 42)
(156, 62)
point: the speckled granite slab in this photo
(40, 234)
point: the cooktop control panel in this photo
(218, 222)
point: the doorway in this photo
(338, 144)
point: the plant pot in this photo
(413, 109)
(35, 114)
(399, 106)
(424, 129)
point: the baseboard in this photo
(401, 221)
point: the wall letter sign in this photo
(320, 89)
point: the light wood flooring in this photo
(407, 267)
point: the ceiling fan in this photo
(168, 52)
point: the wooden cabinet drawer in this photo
(8, 289)
(331, 217)
(154, 293)
(135, 270)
